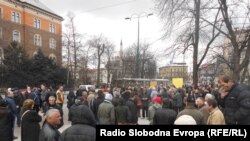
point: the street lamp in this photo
(138, 16)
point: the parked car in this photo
(87, 87)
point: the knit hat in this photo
(108, 96)
(157, 100)
(185, 120)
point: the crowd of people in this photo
(227, 103)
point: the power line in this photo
(109, 6)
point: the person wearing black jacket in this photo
(6, 122)
(166, 115)
(236, 99)
(83, 126)
(30, 122)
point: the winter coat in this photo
(83, 126)
(71, 99)
(151, 112)
(56, 106)
(177, 100)
(6, 123)
(30, 123)
(106, 113)
(192, 111)
(237, 105)
(205, 113)
(164, 117)
(49, 133)
(133, 111)
(216, 117)
(145, 100)
(122, 114)
(12, 105)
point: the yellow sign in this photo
(153, 84)
(178, 82)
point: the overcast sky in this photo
(107, 17)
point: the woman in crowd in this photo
(30, 127)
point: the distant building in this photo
(175, 70)
(33, 25)
(92, 75)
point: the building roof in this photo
(40, 5)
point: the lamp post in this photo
(138, 16)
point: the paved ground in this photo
(68, 123)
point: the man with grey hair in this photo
(49, 131)
(209, 96)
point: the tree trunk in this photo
(98, 67)
(196, 43)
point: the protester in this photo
(166, 115)
(83, 126)
(30, 122)
(49, 131)
(216, 117)
(236, 98)
(6, 122)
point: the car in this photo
(87, 87)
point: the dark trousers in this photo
(145, 111)
(18, 117)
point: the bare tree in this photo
(109, 52)
(73, 41)
(98, 43)
(147, 61)
(186, 17)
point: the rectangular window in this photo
(37, 23)
(37, 40)
(16, 36)
(1, 12)
(52, 28)
(1, 56)
(52, 43)
(1, 33)
(15, 17)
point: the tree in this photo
(16, 66)
(237, 34)
(73, 45)
(20, 70)
(186, 16)
(98, 43)
(44, 70)
(109, 52)
(147, 61)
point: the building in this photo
(33, 25)
(175, 70)
(92, 74)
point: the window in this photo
(52, 28)
(1, 12)
(15, 17)
(37, 40)
(1, 33)
(1, 56)
(52, 57)
(37, 23)
(16, 36)
(52, 43)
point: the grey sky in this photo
(101, 8)
(107, 17)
